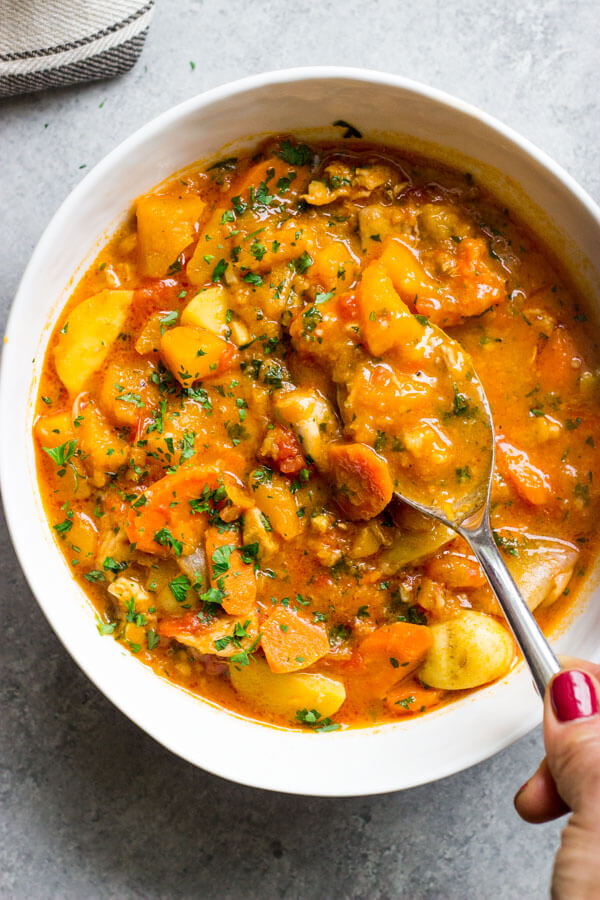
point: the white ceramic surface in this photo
(384, 107)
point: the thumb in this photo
(572, 738)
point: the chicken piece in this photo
(336, 182)
(313, 419)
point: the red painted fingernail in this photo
(573, 696)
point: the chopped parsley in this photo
(220, 559)
(303, 263)
(313, 719)
(152, 639)
(111, 565)
(295, 155)
(179, 587)
(168, 320)
(94, 575)
(166, 539)
(219, 270)
(509, 545)
(461, 403)
(405, 702)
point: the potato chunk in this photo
(284, 695)
(408, 547)
(208, 309)
(408, 275)
(279, 506)
(127, 393)
(332, 263)
(54, 430)
(105, 450)
(193, 354)
(148, 340)
(82, 539)
(386, 321)
(541, 567)
(543, 570)
(209, 249)
(92, 327)
(468, 651)
(165, 228)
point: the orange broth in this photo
(220, 431)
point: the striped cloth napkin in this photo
(48, 43)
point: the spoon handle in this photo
(534, 646)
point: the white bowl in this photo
(384, 107)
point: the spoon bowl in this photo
(459, 496)
(456, 494)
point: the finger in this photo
(538, 800)
(584, 665)
(572, 738)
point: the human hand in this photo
(568, 779)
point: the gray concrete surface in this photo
(91, 807)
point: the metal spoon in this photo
(465, 507)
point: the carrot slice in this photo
(531, 483)
(229, 572)
(329, 262)
(268, 171)
(290, 642)
(166, 522)
(389, 654)
(412, 697)
(362, 480)
(558, 363)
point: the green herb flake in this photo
(303, 263)
(166, 539)
(219, 270)
(94, 575)
(295, 155)
(312, 718)
(152, 639)
(220, 559)
(179, 587)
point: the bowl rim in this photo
(156, 125)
